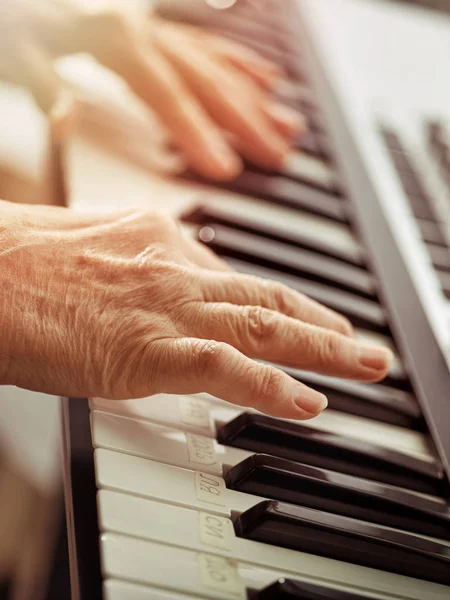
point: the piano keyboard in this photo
(187, 497)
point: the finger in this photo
(288, 122)
(203, 257)
(189, 366)
(262, 71)
(151, 76)
(241, 289)
(231, 100)
(266, 334)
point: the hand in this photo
(210, 93)
(123, 306)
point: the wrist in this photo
(10, 238)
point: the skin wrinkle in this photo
(125, 314)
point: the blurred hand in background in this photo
(211, 94)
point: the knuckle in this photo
(329, 349)
(208, 357)
(282, 298)
(268, 384)
(260, 327)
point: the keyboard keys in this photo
(346, 539)
(372, 401)
(295, 261)
(285, 191)
(192, 530)
(280, 224)
(325, 490)
(310, 170)
(258, 565)
(284, 439)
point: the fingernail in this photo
(225, 158)
(375, 357)
(310, 401)
(289, 117)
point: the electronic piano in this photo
(181, 497)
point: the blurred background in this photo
(392, 54)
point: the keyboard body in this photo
(151, 508)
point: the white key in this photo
(309, 168)
(389, 436)
(165, 483)
(181, 570)
(163, 444)
(336, 237)
(188, 413)
(114, 589)
(169, 567)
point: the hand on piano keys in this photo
(137, 309)
(211, 93)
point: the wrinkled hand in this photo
(123, 306)
(210, 93)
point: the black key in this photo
(283, 257)
(440, 256)
(345, 539)
(361, 311)
(374, 401)
(329, 491)
(430, 232)
(309, 143)
(409, 177)
(284, 191)
(264, 225)
(444, 278)
(391, 138)
(285, 439)
(289, 589)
